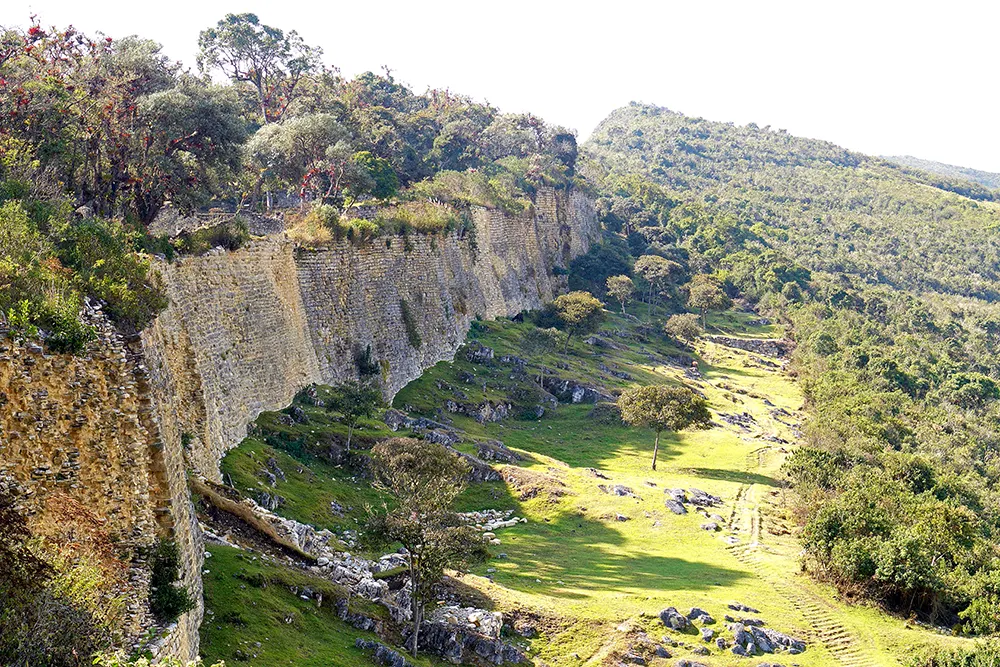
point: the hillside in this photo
(830, 209)
(887, 279)
(985, 178)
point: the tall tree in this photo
(662, 408)
(271, 61)
(621, 289)
(705, 294)
(424, 478)
(355, 401)
(578, 312)
(656, 271)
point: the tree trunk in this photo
(656, 448)
(414, 606)
(566, 344)
(350, 433)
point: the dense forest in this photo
(888, 279)
(98, 135)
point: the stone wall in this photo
(83, 429)
(245, 330)
(118, 428)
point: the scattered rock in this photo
(673, 619)
(675, 507)
(478, 353)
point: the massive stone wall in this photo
(245, 330)
(79, 439)
(117, 429)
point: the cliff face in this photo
(246, 330)
(117, 430)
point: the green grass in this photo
(250, 601)
(595, 581)
(575, 564)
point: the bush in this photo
(412, 334)
(167, 600)
(231, 235)
(103, 255)
(683, 327)
(425, 217)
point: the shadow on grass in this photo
(574, 557)
(737, 476)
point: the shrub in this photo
(103, 255)
(412, 334)
(167, 600)
(425, 217)
(230, 235)
(683, 327)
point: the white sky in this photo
(880, 77)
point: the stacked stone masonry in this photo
(119, 428)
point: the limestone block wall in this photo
(246, 330)
(119, 428)
(83, 429)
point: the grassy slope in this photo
(240, 612)
(573, 562)
(592, 581)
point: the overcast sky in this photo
(879, 77)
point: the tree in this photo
(355, 400)
(385, 183)
(656, 271)
(314, 153)
(578, 312)
(662, 408)
(683, 327)
(705, 295)
(621, 288)
(424, 478)
(537, 341)
(270, 61)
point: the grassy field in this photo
(597, 581)
(256, 614)
(592, 570)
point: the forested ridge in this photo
(888, 277)
(987, 179)
(98, 135)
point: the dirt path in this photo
(825, 629)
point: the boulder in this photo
(673, 619)
(478, 353)
(675, 507)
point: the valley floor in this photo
(590, 570)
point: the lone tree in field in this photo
(578, 312)
(424, 478)
(536, 342)
(621, 289)
(355, 401)
(662, 408)
(705, 295)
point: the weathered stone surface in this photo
(767, 347)
(673, 619)
(247, 329)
